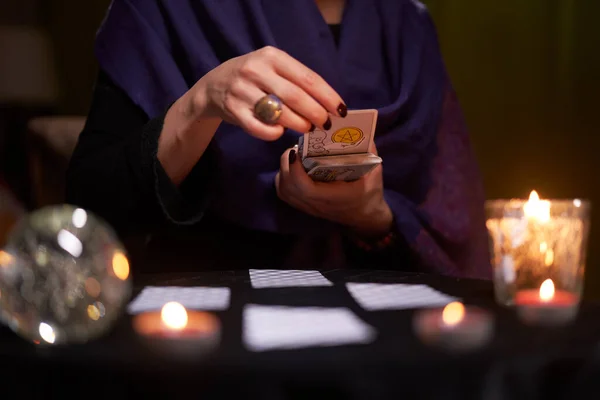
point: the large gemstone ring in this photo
(268, 109)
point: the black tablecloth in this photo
(520, 362)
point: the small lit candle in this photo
(453, 314)
(174, 317)
(177, 331)
(454, 327)
(546, 306)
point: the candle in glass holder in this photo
(533, 241)
(177, 331)
(546, 306)
(454, 327)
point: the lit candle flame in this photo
(547, 290)
(174, 316)
(453, 313)
(537, 209)
(47, 333)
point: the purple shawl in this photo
(388, 58)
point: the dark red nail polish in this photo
(312, 128)
(327, 124)
(292, 156)
(342, 110)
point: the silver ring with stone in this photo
(268, 109)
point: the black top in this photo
(336, 31)
(114, 172)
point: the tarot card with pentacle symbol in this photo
(351, 135)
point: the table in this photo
(520, 362)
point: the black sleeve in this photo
(114, 171)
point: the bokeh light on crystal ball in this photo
(64, 277)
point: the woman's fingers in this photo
(297, 100)
(312, 83)
(292, 120)
(235, 105)
(293, 175)
(299, 176)
(247, 121)
(307, 99)
(250, 94)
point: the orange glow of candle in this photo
(547, 290)
(453, 313)
(537, 209)
(174, 316)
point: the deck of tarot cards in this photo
(342, 152)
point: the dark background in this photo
(527, 73)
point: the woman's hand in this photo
(359, 205)
(231, 91)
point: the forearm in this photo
(184, 139)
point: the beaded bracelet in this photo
(377, 245)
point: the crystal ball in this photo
(64, 277)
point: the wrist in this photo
(378, 233)
(376, 223)
(196, 103)
(190, 115)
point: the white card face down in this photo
(350, 135)
(281, 327)
(275, 278)
(396, 296)
(153, 298)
